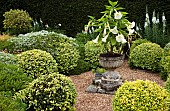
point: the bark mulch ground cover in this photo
(103, 102)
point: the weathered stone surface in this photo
(107, 83)
(102, 91)
(92, 89)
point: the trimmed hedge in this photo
(53, 92)
(140, 96)
(73, 15)
(36, 63)
(146, 56)
(165, 67)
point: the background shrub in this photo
(167, 84)
(64, 49)
(73, 15)
(12, 78)
(7, 58)
(92, 52)
(17, 21)
(50, 92)
(7, 103)
(140, 96)
(165, 67)
(146, 56)
(138, 42)
(36, 63)
(167, 49)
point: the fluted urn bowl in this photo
(111, 61)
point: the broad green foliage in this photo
(7, 58)
(138, 42)
(17, 21)
(167, 49)
(36, 63)
(92, 52)
(140, 96)
(146, 56)
(165, 67)
(12, 78)
(53, 92)
(7, 103)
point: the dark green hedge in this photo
(73, 14)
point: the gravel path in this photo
(103, 102)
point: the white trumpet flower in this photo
(119, 38)
(96, 40)
(105, 38)
(118, 15)
(114, 30)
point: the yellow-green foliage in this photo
(17, 21)
(140, 96)
(37, 62)
(167, 49)
(53, 92)
(92, 52)
(146, 56)
(165, 67)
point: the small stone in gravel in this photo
(92, 89)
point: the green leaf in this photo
(113, 41)
(113, 3)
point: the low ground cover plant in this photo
(12, 78)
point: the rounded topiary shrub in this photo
(53, 92)
(167, 49)
(165, 67)
(138, 42)
(63, 49)
(146, 56)
(37, 62)
(17, 21)
(7, 58)
(140, 96)
(12, 78)
(92, 52)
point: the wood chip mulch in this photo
(103, 102)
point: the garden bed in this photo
(103, 102)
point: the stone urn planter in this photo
(111, 79)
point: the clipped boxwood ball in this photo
(167, 49)
(165, 67)
(140, 96)
(146, 56)
(53, 92)
(92, 52)
(37, 62)
(138, 42)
